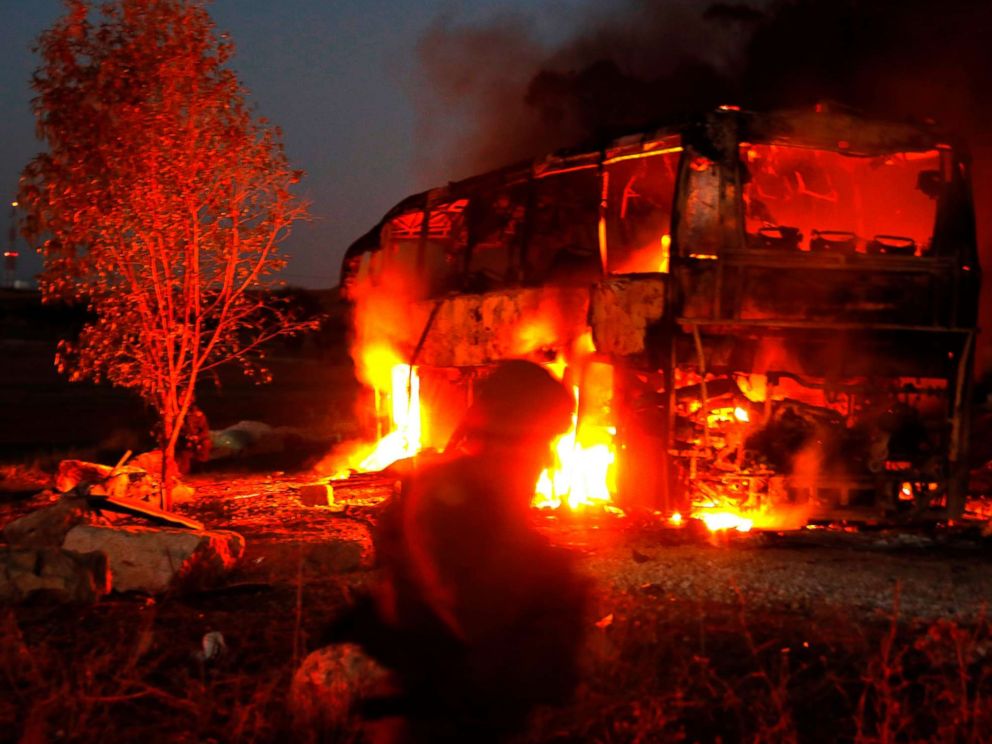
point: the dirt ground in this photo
(815, 636)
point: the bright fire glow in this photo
(582, 474)
(720, 513)
(666, 250)
(724, 520)
(404, 440)
(583, 471)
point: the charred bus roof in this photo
(716, 135)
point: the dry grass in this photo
(127, 670)
(728, 674)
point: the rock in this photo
(153, 560)
(47, 527)
(336, 556)
(328, 685)
(282, 560)
(63, 575)
(315, 494)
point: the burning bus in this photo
(766, 319)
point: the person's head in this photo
(519, 405)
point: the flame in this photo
(721, 514)
(377, 366)
(582, 474)
(725, 520)
(664, 256)
(401, 395)
(405, 438)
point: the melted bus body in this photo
(814, 274)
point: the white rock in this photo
(152, 560)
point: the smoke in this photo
(470, 74)
(495, 93)
(510, 94)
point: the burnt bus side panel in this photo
(477, 329)
(625, 312)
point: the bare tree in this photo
(161, 201)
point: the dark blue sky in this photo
(336, 75)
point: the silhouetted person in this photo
(478, 615)
(194, 444)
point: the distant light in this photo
(10, 254)
(15, 204)
(728, 107)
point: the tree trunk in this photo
(167, 447)
(168, 468)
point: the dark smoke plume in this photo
(648, 62)
(495, 93)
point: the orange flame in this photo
(397, 395)
(583, 471)
(722, 514)
(725, 520)
(405, 438)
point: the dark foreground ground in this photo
(818, 636)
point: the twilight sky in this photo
(337, 75)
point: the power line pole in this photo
(10, 255)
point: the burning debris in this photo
(766, 319)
